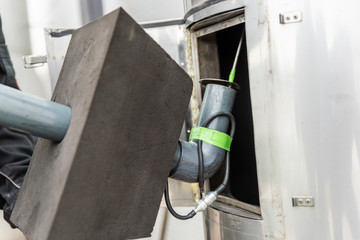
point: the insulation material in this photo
(106, 178)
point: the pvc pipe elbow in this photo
(186, 162)
(217, 98)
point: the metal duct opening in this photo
(216, 47)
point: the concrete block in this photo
(106, 178)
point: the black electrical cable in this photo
(221, 187)
(171, 210)
(201, 160)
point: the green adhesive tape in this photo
(213, 137)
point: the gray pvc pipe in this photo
(217, 99)
(33, 115)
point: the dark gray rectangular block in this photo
(105, 179)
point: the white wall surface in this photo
(15, 27)
(148, 10)
(23, 24)
(50, 14)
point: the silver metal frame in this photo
(223, 204)
(221, 25)
(212, 10)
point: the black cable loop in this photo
(171, 210)
(222, 186)
(200, 153)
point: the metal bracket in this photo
(33, 61)
(290, 17)
(303, 201)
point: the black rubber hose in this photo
(201, 159)
(222, 186)
(171, 210)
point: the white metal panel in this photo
(15, 27)
(305, 92)
(51, 14)
(209, 9)
(192, 3)
(148, 10)
(56, 48)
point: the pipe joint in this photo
(217, 98)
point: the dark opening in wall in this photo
(216, 53)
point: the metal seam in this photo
(165, 23)
(200, 6)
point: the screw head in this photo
(300, 201)
(308, 201)
(287, 18)
(296, 17)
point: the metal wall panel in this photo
(150, 10)
(56, 47)
(196, 10)
(304, 83)
(305, 90)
